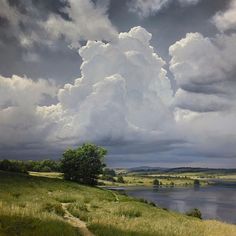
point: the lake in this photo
(214, 201)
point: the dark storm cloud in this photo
(62, 63)
(59, 63)
(188, 144)
(40, 33)
(171, 23)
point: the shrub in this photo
(16, 195)
(143, 200)
(108, 178)
(46, 169)
(194, 213)
(120, 179)
(13, 166)
(109, 172)
(131, 213)
(156, 182)
(55, 208)
(152, 204)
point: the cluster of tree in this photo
(156, 182)
(82, 165)
(13, 166)
(25, 166)
(43, 166)
(108, 175)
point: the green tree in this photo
(13, 166)
(109, 172)
(156, 182)
(83, 164)
(120, 179)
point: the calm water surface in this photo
(215, 202)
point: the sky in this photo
(153, 81)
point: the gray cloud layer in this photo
(123, 98)
(71, 22)
(145, 8)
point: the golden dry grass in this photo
(30, 205)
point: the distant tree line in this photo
(82, 165)
(25, 166)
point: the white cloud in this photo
(10, 13)
(145, 8)
(205, 102)
(208, 134)
(188, 2)
(123, 96)
(201, 102)
(19, 91)
(123, 100)
(204, 63)
(226, 20)
(20, 122)
(123, 90)
(86, 21)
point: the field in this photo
(147, 180)
(35, 206)
(183, 178)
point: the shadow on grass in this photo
(108, 230)
(28, 226)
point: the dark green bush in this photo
(156, 182)
(132, 213)
(194, 213)
(120, 179)
(55, 208)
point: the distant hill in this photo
(178, 170)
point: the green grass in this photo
(31, 205)
(147, 180)
(176, 179)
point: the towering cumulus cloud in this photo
(123, 96)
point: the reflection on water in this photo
(215, 202)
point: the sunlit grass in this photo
(137, 180)
(31, 205)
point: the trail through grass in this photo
(76, 222)
(39, 206)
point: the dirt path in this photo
(115, 196)
(76, 222)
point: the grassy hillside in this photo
(31, 205)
